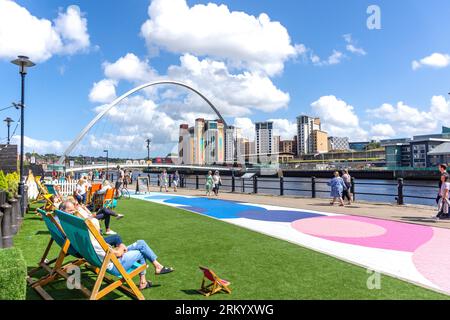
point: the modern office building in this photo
(232, 150)
(287, 146)
(338, 144)
(203, 143)
(320, 141)
(440, 154)
(264, 140)
(398, 152)
(421, 149)
(305, 127)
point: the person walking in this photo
(209, 183)
(175, 181)
(348, 184)
(444, 176)
(337, 188)
(217, 182)
(444, 202)
(163, 181)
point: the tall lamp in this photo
(23, 62)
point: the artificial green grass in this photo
(13, 272)
(258, 266)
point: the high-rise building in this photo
(264, 142)
(305, 139)
(199, 145)
(288, 146)
(186, 145)
(338, 143)
(214, 142)
(232, 150)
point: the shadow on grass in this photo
(191, 292)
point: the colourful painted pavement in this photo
(416, 253)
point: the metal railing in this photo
(310, 186)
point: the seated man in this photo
(127, 256)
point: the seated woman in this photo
(102, 214)
(127, 255)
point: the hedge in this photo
(13, 272)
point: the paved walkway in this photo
(408, 213)
(410, 251)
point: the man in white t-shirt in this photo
(444, 202)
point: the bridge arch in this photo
(125, 95)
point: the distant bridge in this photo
(113, 166)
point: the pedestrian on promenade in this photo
(337, 188)
(175, 181)
(443, 170)
(163, 181)
(209, 183)
(217, 182)
(444, 202)
(348, 183)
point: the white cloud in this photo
(21, 33)
(130, 68)
(41, 146)
(103, 91)
(382, 131)
(338, 118)
(247, 126)
(256, 43)
(335, 58)
(72, 27)
(284, 128)
(351, 46)
(436, 60)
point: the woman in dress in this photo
(217, 182)
(337, 188)
(209, 183)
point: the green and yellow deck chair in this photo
(42, 190)
(77, 231)
(54, 268)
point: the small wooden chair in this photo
(78, 233)
(217, 284)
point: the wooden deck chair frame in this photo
(125, 277)
(42, 190)
(92, 190)
(59, 269)
(217, 284)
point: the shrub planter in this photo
(13, 273)
(14, 213)
(7, 232)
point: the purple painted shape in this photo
(194, 209)
(276, 215)
(398, 236)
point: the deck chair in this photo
(42, 190)
(92, 190)
(50, 188)
(78, 232)
(217, 284)
(105, 200)
(54, 268)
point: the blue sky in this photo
(374, 91)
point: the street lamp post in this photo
(107, 156)
(23, 62)
(8, 121)
(148, 150)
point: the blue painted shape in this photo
(224, 209)
(277, 215)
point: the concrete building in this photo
(320, 141)
(420, 150)
(287, 146)
(264, 140)
(232, 136)
(358, 146)
(440, 154)
(186, 144)
(338, 143)
(398, 152)
(305, 128)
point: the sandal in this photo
(148, 285)
(164, 270)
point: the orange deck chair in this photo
(217, 284)
(92, 190)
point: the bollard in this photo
(14, 214)
(255, 184)
(7, 232)
(352, 189)
(281, 186)
(233, 186)
(243, 185)
(196, 181)
(400, 192)
(313, 187)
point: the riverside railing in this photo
(315, 188)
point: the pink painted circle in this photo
(336, 227)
